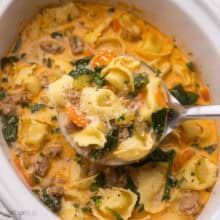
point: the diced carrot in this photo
(87, 53)
(75, 117)
(27, 178)
(115, 25)
(103, 57)
(161, 98)
(183, 158)
(142, 97)
(204, 92)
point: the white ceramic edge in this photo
(11, 195)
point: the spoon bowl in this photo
(180, 114)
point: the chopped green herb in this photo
(111, 143)
(115, 214)
(54, 118)
(53, 202)
(130, 184)
(190, 66)
(183, 96)
(2, 94)
(210, 149)
(100, 182)
(49, 63)
(37, 107)
(87, 209)
(171, 182)
(10, 127)
(160, 119)
(8, 61)
(140, 207)
(56, 35)
(25, 105)
(55, 130)
(96, 200)
(140, 81)
(158, 72)
(82, 62)
(79, 159)
(76, 205)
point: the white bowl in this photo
(196, 27)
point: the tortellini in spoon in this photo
(106, 120)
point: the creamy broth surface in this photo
(81, 63)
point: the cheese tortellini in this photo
(119, 73)
(116, 200)
(151, 105)
(154, 46)
(150, 183)
(101, 102)
(132, 149)
(57, 91)
(32, 134)
(93, 134)
(198, 174)
(27, 79)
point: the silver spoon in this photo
(181, 114)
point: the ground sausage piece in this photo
(53, 150)
(190, 203)
(41, 166)
(123, 134)
(8, 104)
(68, 125)
(76, 44)
(74, 98)
(52, 47)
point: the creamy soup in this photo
(78, 68)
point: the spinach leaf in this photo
(82, 69)
(190, 65)
(210, 149)
(82, 62)
(131, 185)
(8, 61)
(53, 202)
(111, 144)
(115, 214)
(140, 81)
(183, 96)
(2, 94)
(96, 200)
(10, 127)
(37, 107)
(100, 182)
(160, 118)
(170, 180)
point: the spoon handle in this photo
(207, 111)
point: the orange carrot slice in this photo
(115, 25)
(78, 119)
(103, 57)
(204, 92)
(183, 158)
(161, 98)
